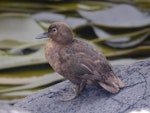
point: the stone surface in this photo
(5, 108)
(134, 96)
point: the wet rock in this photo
(134, 96)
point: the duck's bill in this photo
(43, 35)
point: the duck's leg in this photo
(78, 89)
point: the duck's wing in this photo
(91, 64)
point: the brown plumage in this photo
(78, 61)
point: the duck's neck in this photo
(63, 42)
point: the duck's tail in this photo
(112, 84)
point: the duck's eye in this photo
(54, 29)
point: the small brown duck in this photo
(78, 61)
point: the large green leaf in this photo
(130, 34)
(122, 42)
(18, 27)
(51, 17)
(125, 16)
(45, 80)
(9, 61)
(7, 44)
(141, 51)
(32, 7)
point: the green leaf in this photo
(51, 17)
(7, 44)
(131, 34)
(9, 61)
(122, 42)
(18, 27)
(47, 79)
(116, 17)
(141, 51)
